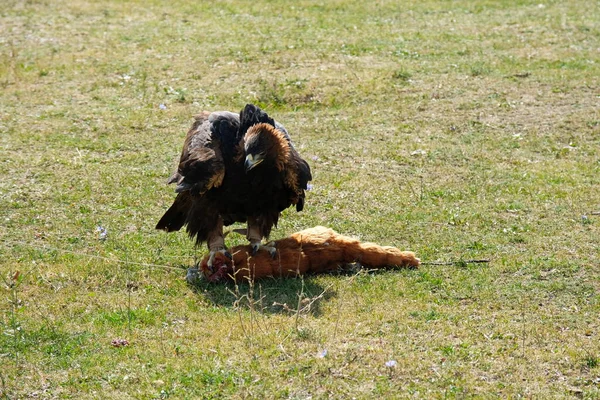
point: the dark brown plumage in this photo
(235, 168)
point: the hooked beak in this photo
(252, 161)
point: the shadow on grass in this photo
(268, 296)
(282, 295)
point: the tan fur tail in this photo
(330, 244)
(375, 256)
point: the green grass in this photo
(459, 130)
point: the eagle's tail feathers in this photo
(175, 217)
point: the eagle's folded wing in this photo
(201, 165)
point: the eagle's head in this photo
(265, 143)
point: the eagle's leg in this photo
(216, 243)
(255, 238)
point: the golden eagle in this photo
(235, 168)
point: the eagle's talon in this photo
(270, 247)
(213, 253)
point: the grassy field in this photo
(457, 129)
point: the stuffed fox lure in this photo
(311, 251)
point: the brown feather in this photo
(201, 170)
(213, 185)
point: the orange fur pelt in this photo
(310, 251)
